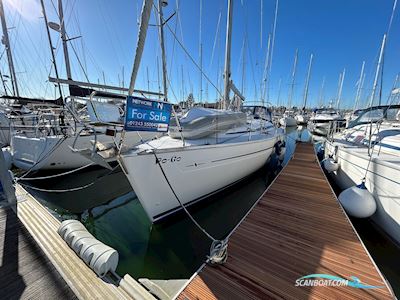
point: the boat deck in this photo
(297, 228)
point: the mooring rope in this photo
(219, 248)
(55, 175)
(71, 189)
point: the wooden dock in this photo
(297, 228)
(84, 283)
(25, 272)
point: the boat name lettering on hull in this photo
(165, 160)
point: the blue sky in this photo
(340, 34)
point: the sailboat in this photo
(170, 172)
(369, 150)
(366, 158)
(288, 119)
(16, 111)
(74, 135)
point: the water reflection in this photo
(77, 192)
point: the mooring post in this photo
(6, 182)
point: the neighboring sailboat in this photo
(75, 134)
(364, 159)
(369, 150)
(172, 171)
(13, 112)
(288, 119)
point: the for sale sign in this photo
(147, 115)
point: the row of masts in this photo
(228, 85)
(360, 82)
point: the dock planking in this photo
(25, 272)
(297, 228)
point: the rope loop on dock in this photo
(218, 252)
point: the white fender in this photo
(282, 153)
(100, 257)
(358, 201)
(331, 165)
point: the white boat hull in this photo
(383, 181)
(194, 172)
(54, 152)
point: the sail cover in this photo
(200, 122)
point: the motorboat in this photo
(322, 118)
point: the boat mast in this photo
(279, 92)
(142, 33)
(307, 82)
(6, 42)
(371, 101)
(263, 85)
(163, 58)
(293, 78)
(359, 87)
(273, 35)
(268, 59)
(201, 54)
(243, 64)
(340, 87)
(321, 93)
(51, 46)
(64, 39)
(227, 71)
(261, 24)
